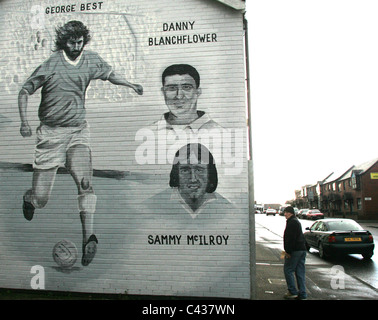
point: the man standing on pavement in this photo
(295, 256)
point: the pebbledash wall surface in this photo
(125, 227)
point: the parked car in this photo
(271, 211)
(314, 214)
(339, 236)
(302, 213)
(281, 210)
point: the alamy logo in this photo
(37, 21)
(338, 277)
(160, 147)
(38, 280)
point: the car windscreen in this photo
(343, 225)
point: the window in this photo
(321, 227)
(359, 204)
(343, 225)
(354, 182)
(355, 179)
(315, 226)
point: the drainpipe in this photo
(252, 233)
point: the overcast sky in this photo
(314, 90)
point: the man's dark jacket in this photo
(293, 236)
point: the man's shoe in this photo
(28, 210)
(301, 298)
(89, 250)
(290, 296)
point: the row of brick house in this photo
(349, 194)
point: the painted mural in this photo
(123, 151)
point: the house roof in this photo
(235, 4)
(367, 165)
(344, 174)
(337, 175)
(318, 182)
(362, 168)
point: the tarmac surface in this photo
(322, 276)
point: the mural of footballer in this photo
(63, 135)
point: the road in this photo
(344, 278)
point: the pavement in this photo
(325, 280)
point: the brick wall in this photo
(369, 195)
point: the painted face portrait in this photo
(193, 182)
(194, 174)
(181, 94)
(74, 47)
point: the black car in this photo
(339, 236)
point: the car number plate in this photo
(352, 239)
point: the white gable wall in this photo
(158, 251)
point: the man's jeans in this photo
(296, 264)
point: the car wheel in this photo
(322, 253)
(367, 255)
